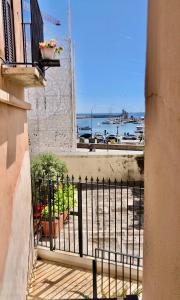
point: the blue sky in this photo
(110, 46)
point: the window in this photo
(9, 36)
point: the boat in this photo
(85, 128)
(139, 129)
(108, 122)
(140, 126)
(139, 132)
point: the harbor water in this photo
(99, 127)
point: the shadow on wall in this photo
(12, 124)
(13, 144)
(140, 162)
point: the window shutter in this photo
(9, 31)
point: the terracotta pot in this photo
(57, 225)
(48, 53)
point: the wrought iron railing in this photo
(37, 33)
(9, 30)
(32, 29)
(32, 35)
(80, 216)
(116, 275)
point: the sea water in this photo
(98, 127)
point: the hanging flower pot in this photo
(47, 53)
(49, 50)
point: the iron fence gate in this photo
(80, 216)
(116, 275)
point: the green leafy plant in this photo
(59, 50)
(47, 166)
(65, 198)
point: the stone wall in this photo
(113, 166)
(52, 120)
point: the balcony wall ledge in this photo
(25, 76)
(9, 99)
(85, 263)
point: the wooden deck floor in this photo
(54, 282)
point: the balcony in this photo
(30, 70)
(79, 227)
(27, 77)
(53, 280)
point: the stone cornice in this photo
(9, 99)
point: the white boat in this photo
(108, 122)
(140, 127)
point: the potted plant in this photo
(37, 213)
(55, 220)
(49, 48)
(45, 166)
(65, 198)
(37, 209)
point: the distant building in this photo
(124, 114)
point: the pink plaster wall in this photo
(15, 188)
(15, 202)
(162, 153)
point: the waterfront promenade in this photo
(111, 152)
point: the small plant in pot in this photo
(37, 209)
(55, 221)
(65, 198)
(49, 49)
(37, 212)
(44, 167)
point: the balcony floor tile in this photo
(54, 282)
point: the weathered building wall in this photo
(52, 125)
(162, 160)
(15, 203)
(125, 167)
(16, 241)
(6, 85)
